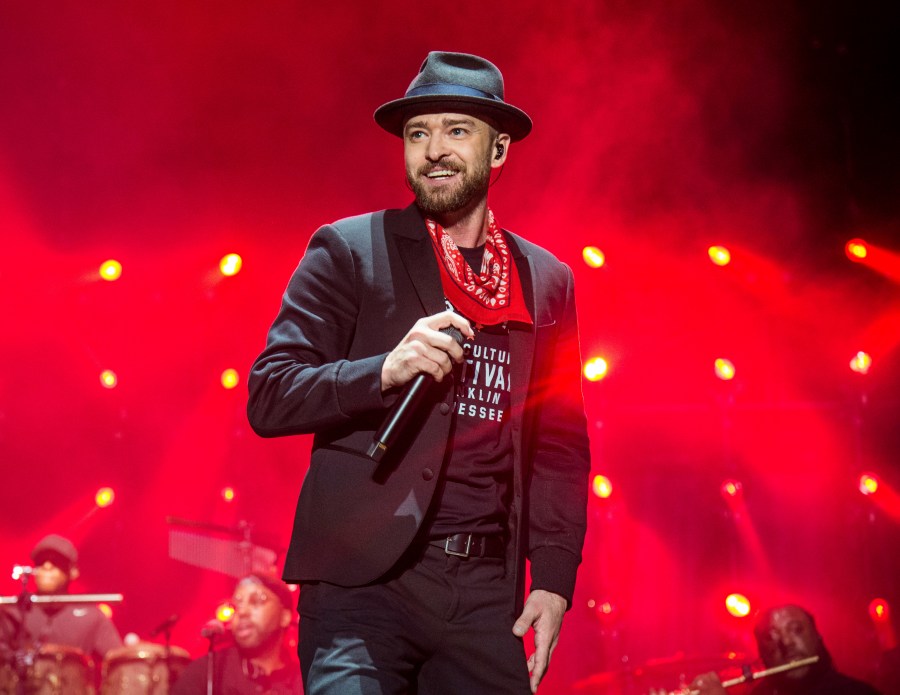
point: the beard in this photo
(470, 186)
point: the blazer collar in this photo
(416, 252)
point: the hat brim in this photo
(506, 118)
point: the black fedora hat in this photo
(456, 83)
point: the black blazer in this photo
(359, 288)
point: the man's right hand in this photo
(425, 350)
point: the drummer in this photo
(82, 626)
(257, 662)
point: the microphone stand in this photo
(210, 664)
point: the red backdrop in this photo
(168, 134)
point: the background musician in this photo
(257, 662)
(78, 625)
(785, 634)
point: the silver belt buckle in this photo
(465, 553)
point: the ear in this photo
(74, 573)
(499, 154)
(285, 618)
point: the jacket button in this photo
(445, 408)
(427, 473)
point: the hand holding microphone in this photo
(426, 354)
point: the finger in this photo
(541, 660)
(524, 621)
(434, 338)
(450, 318)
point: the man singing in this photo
(411, 555)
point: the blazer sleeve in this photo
(303, 380)
(557, 514)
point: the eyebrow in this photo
(446, 122)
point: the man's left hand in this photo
(544, 612)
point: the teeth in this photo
(440, 174)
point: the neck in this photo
(269, 660)
(467, 227)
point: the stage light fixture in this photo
(231, 264)
(230, 378)
(595, 369)
(732, 490)
(110, 270)
(737, 605)
(856, 250)
(602, 486)
(879, 610)
(225, 612)
(719, 255)
(868, 484)
(109, 379)
(593, 257)
(724, 369)
(861, 362)
(228, 493)
(105, 496)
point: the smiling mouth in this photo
(438, 174)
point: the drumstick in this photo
(767, 672)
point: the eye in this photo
(457, 131)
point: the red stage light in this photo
(601, 486)
(228, 494)
(732, 490)
(231, 264)
(879, 610)
(861, 362)
(110, 270)
(868, 484)
(230, 378)
(719, 255)
(109, 379)
(856, 250)
(737, 605)
(724, 369)
(105, 496)
(593, 257)
(595, 369)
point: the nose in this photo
(436, 149)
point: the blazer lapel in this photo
(521, 347)
(417, 255)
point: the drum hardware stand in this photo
(231, 550)
(24, 600)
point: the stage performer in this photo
(257, 662)
(785, 634)
(411, 556)
(82, 626)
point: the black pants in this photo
(441, 626)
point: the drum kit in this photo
(53, 669)
(144, 668)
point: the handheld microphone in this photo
(165, 624)
(212, 629)
(408, 403)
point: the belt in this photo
(471, 545)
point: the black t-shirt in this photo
(474, 495)
(236, 676)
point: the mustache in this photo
(426, 169)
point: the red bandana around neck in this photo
(490, 298)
